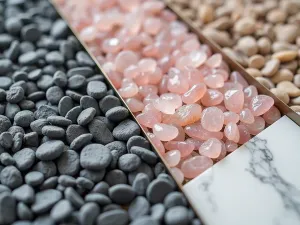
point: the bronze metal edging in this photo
(284, 109)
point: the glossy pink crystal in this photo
(196, 165)
(212, 119)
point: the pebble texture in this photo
(65, 138)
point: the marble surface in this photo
(258, 184)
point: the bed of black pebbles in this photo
(70, 152)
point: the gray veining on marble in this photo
(258, 184)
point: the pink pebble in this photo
(178, 84)
(246, 116)
(181, 133)
(249, 93)
(135, 105)
(190, 45)
(236, 77)
(157, 143)
(125, 59)
(195, 142)
(260, 104)
(214, 61)
(112, 45)
(234, 100)
(196, 131)
(152, 25)
(257, 126)
(231, 117)
(196, 165)
(150, 98)
(214, 81)
(197, 58)
(165, 132)
(231, 131)
(185, 148)
(212, 98)
(194, 76)
(149, 118)
(177, 174)
(129, 90)
(212, 119)
(147, 65)
(147, 89)
(272, 115)
(231, 146)
(211, 148)
(194, 94)
(172, 157)
(244, 134)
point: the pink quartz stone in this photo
(149, 118)
(231, 117)
(172, 157)
(155, 77)
(152, 25)
(175, 99)
(211, 148)
(246, 116)
(181, 133)
(212, 97)
(194, 76)
(129, 90)
(197, 58)
(129, 5)
(125, 59)
(214, 81)
(260, 104)
(198, 132)
(236, 77)
(231, 131)
(234, 100)
(214, 61)
(131, 72)
(212, 119)
(196, 165)
(150, 98)
(194, 94)
(147, 65)
(272, 115)
(115, 78)
(195, 142)
(178, 84)
(147, 89)
(157, 143)
(244, 134)
(221, 72)
(231, 146)
(231, 86)
(223, 152)
(111, 45)
(165, 132)
(177, 174)
(135, 105)
(186, 114)
(257, 126)
(249, 93)
(163, 85)
(185, 148)
(168, 103)
(190, 45)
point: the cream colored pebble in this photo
(264, 45)
(285, 56)
(287, 32)
(295, 101)
(266, 82)
(238, 56)
(206, 13)
(292, 65)
(281, 75)
(271, 67)
(247, 45)
(276, 16)
(220, 37)
(254, 72)
(297, 80)
(222, 23)
(279, 46)
(289, 88)
(256, 61)
(282, 95)
(245, 26)
(296, 108)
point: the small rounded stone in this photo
(158, 190)
(121, 194)
(129, 162)
(50, 150)
(177, 215)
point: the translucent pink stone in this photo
(185, 148)
(196, 165)
(221, 72)
(231, 86)
(246, 116)
(178, 84)
(168, 103)
(244, 134)
(147, 65)
(149, 118)
(234, 100)
(157, 143)
(211, 148)
(231, 117)
(152, 25)
(175, 99)
(115, 78)
(165, 132)
(249, 93)
(177, 174)
(197, 58)
(212, 119)
(88, 34)
(150, 98)
(163, 85)
(194, 76)
(148, 89)
(125, 59)
(190, 45)
(212, 97)
(194, 94)
(186, 114)
(214, 81)
(129, 5)
(272, 115)
(153, 7)
(231, 146)
(236, 77)
(223, 152)
(132, 72)
(181, 133)
(198, 132)
(155, 77)
(132, 43)
(135, 105)
(257, 126)
(195, 142)
(172, 157)
(111, 45)
(129, 90)
(260, 104)
(231, 131)
(214, 61)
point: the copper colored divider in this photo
(84, 46)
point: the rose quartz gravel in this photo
(193, 107)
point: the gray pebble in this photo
(23, 212)
(84, 183)
(158, 211)
(37, 125)
(110, 125)
(115, 158)
(26, 46)
(121, 194)
(5, 64)
(74, 131)
(145, 154)
(4, 188)
(44, 111)
(68, 163)
(11, 110)
(113, 217)
(109, 102)
(100, 199)
(102, 188)
(17, 142)
(95, 157)
(76, 96)
(167, 178)
(45, 200)
(66, 50)
(144, 168)
(26, 104)
(20, 222)
(50, 183)
(129, 162)
(31, 33)
(95, 176)
(54, 95)
(126, 129)
(196, 222)
(65, 105)
(35, 74)
(5, 40)
(28, 58)
(59, 121)
(145, 220)
(177, 215)
(138, 141)
(61, 210)
(88, 102)
(6, 159)
(86, 116)
(175, 199)
(47, 168)
(24, 159)
(159, 168)
(13, 25)
(55, 58)
(81, 141)
(5, 82)
(138, 207)
(45, 82)
(76, 82)
(96, 89)
(50, 150)
(24, 193)
(84, 71)
(73, 114)
(100, 132)
(140, 183)
(19, 76)
(59, 29)
(45, 220)
(36, 97)
(7, 208)
(88, 213)
(84, 59)
(60, 79)
(14, 50)
(158, 190)
(24, 118)
(73, 197)
(2, 95)
(6, 140)
(115, 177)
(117, 114)
(5, 124)
(15, 95)
(67, 181)
(11, 177)
(53, 132)
(2, 109)
(34, 178)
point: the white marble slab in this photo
(258, 184)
